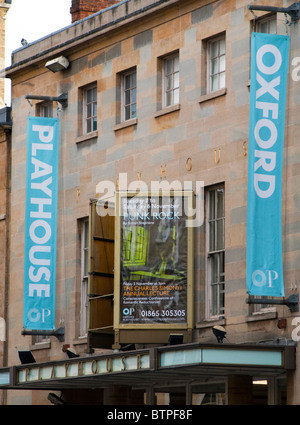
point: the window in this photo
(90, 109)
(45, 109)
(262, 308)
(215, 223)
(216, 64)
(129, 95)
(84, 275)
(267, 25)
(171, 80)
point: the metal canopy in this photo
(156, 367)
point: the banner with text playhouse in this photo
(269, 66)
(40, 223)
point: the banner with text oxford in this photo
(40, 223)
(269, 66)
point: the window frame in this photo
(213, 300)
(173, 88)
(124, 90)
(266, 20)
(92, 117)
(209, 63)
(45, 109)
(84, 252)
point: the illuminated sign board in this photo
(154, 269)
(83, 367)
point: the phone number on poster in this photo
(163, 313)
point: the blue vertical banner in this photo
(269, 68)
(40, 223)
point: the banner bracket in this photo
(293, 10)
(59, 333)
(292, 302)
(62, 99)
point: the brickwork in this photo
(82, 8)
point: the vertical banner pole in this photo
(40, 223)
(269, 67)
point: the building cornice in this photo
(82, 31)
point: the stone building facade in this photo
(143, 100)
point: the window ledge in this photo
(262, 316)
(40, 346)
(87, 136)
(80, 340)
(167, 110)
(210, 323)
(212, 95)
(126, 124)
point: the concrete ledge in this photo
(125, 124)
(87, 136)
(212, 95)
(167, 110)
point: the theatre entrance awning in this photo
(169, 365)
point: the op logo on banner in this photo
(40, 223)
(269, 67)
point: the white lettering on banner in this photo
(39, 271)
(265, 184)
(260, 278)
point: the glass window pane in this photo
(264, 27)
(127, 112)
(273, 26)
(176, 80)
(176, 96)
(214, 301)
(133, 111)
(176, 63)
(211, 204)
(221, 267)
(133, 79)
(127, 82)
(222, 63)
(212, 236)
(214, 66)
(169, 82)
(220, 203)
(127, 97)
(220, 234)
(169, 66)
(222, 80)
(88, 126)
(169, 98)
(94, 109)
(95, 94)
(89, 110)
(133, 94)
(214, 268)
(222, 46)
(214, 83)
(214, 49)
(89, 96)
(94, 124)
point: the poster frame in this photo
(190, 263)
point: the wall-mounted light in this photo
(175, 339)
(219, 332)
(26, 357)
(58, 64)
